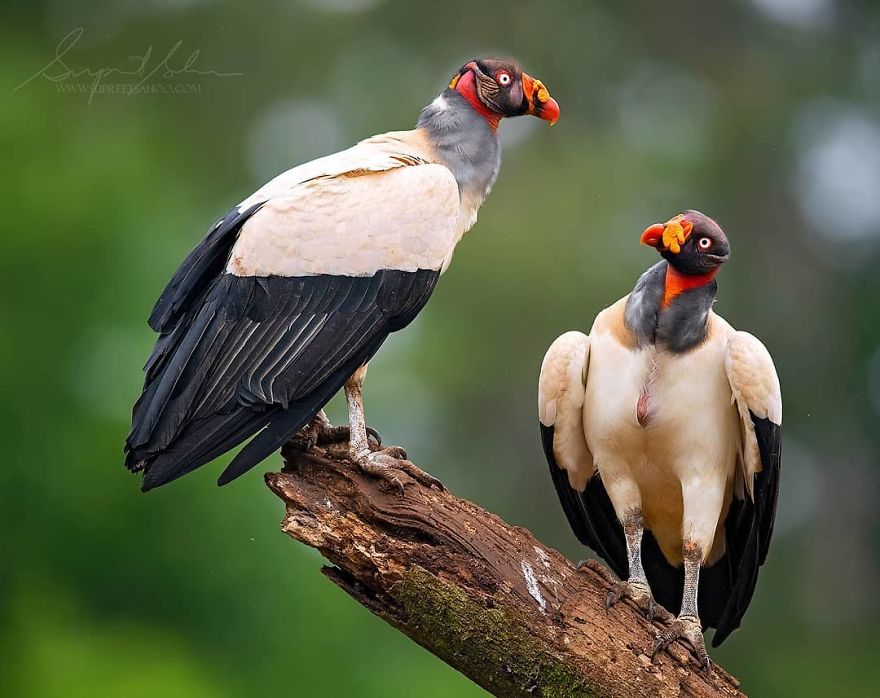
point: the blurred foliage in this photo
(763, 113)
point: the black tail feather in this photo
(200, 443)
(589, 513)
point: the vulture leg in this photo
(688, 626)
(385, 463)
(320, 432)
(636, 587)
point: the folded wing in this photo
(284, 299)
(749, 523)
(587, 507)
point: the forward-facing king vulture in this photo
(294, 290)
(665, 420)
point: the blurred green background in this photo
(762, 113)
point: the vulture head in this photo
(691, 242)
(497, 88)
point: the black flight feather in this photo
(202, 265)
(589, 513)
(261, 353)
(750, 527)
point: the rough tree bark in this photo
(486, 597)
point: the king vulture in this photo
(664, 423)
(294, 290)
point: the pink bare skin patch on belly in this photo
(643, 408)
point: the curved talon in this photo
(689, 629)
(639, 592)
(651, 610)
(611, 598)
(310, 435)
(372, 464)
(305, 439)
(322, 434)
(660, 642)
(316, 436)
(383, 464)
(417, 474)
(377, 437)
(330, 435)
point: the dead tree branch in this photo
(486, 597)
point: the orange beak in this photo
(541, 104)
(668, 236)
(653, 234)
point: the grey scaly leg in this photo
(688, 626)
(382, 464)
(636, 587)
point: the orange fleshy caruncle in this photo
(668, 236)
(541, 104)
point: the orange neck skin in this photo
(467, 88)
(677, 283)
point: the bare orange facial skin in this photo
(677, 283)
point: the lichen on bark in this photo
(487, 640)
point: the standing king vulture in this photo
(665, 421)
(293, 291)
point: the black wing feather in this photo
(590, 513)
(286, 422)
(750, 526)
(201, 266)
(262, 353)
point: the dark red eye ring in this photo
(705, 244)
(503, 78)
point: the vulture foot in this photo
(320, 432)
(638, 591)
(338, 435)
(388, 463)
(686, 628)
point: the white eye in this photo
(503, 79)
(704, 243)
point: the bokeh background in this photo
(762, 113)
